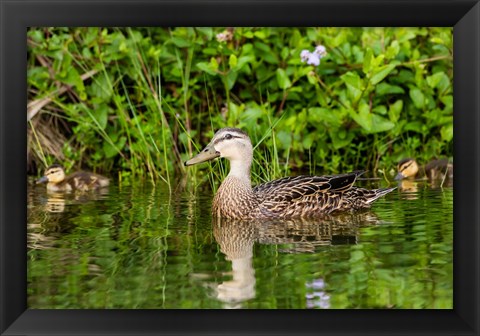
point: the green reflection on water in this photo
(139, 247)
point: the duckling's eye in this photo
(228, 136)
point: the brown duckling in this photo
(435, 170)
(57, 180)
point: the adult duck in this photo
(288, 197)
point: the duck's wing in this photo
(303, 195)
(289, 188)
(437, 164)
(81, 180)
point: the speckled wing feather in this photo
(298, 186)
(303, 195)
(85, 181)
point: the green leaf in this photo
(213, 64)
(260, 34)
(415, 126)
(354, 85)
(392, 50)
(417, 97)
(101, 115)
(242, 61)
(437, 40)
(395, 110)
(73, 78)
(209, 68)
(181, 42)
(380, 73)
(448, 101)
(308, 140)
(386, 89)
(367, 61)
(340, 137)
(446, 132)
(282, 79)
(320, 114)
(112, 151)
(380, 109)
(232, 61)
(381, 124)
(285, 139)
(439, 80)
(231, 78)
(252, 114)
(207, 31)
(371, 122)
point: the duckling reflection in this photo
(56, 202)
(237, 238)
(408, 189)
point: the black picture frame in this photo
(17, 15)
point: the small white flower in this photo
(315, 57)
(224, 36)
(320, 50)
(304, 55)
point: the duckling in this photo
(57, 180)
(288, 197)
(434, 170)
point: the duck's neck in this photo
(241, 170)
(235, 197)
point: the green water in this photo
(141, 247)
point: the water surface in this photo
(141, 246)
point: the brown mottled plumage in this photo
(82, 181)
(289, 197)
(434, 170)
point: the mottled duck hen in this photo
(57, 180)
(288, 197)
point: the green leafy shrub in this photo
(142, 100)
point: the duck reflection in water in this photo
(237, 238)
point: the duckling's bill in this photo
(399, 177)
(208, 153)
(42, 179)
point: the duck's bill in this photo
(399, 177)
(208, 153)
(42, 179)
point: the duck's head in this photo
(230, 143)
(406, 168)
(53, 174)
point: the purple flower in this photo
(320, 50)
(313, 58)
(224, 36)
(304, 55)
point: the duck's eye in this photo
(228, 136)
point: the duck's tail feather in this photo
(379, 193)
